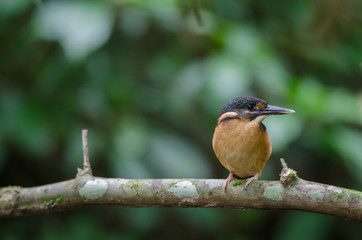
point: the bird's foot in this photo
(249, 180)
(225, 184)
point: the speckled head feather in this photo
(243, 102)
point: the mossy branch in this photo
(204, 193)
(290, 192)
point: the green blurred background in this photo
(148, 79)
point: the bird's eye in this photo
(251, 107)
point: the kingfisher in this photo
(240, 141)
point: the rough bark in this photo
(290, 192)
(205, 193)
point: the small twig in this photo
(287, 176)
(284, 165)
(86, 165)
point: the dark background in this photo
(148, 79)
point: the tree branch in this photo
(290, 192)
(204, 193)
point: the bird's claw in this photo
(249, 180)
(225, 184)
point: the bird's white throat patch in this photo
(260, 118)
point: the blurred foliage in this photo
(148, 79)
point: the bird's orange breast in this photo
(243, 147)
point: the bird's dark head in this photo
(251, 108)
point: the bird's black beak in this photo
(274, 110)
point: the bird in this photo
(240, 141)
